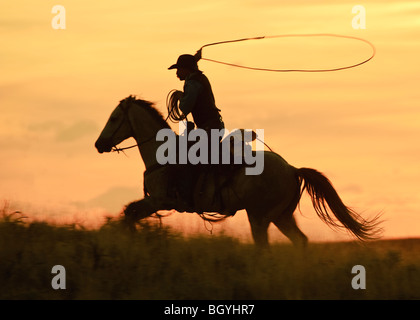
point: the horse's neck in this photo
(145, 128)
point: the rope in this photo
(172, 104)
(265, 144)
(199, 52)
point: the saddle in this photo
(213, 180)
(205, 187)
(211, 189)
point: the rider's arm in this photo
(192, 89)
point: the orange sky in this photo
(359, 126)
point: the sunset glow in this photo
(360, 126)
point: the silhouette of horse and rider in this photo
(271, 196)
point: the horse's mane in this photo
(149, 106)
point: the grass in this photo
(157, 263)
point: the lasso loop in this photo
(198, 55)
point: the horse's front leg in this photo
(138, 210)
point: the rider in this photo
(197, 99)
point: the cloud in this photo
(44, 126)
(76, 131)
(59, 131)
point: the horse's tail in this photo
(324, 196)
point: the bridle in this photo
(125, 108)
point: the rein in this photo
(118, 150)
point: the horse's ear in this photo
(124, 103)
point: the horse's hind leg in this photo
(287, 224)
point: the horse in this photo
(270, 197)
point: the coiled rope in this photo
(199, 52)
(172, 104)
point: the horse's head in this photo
(117, 129)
